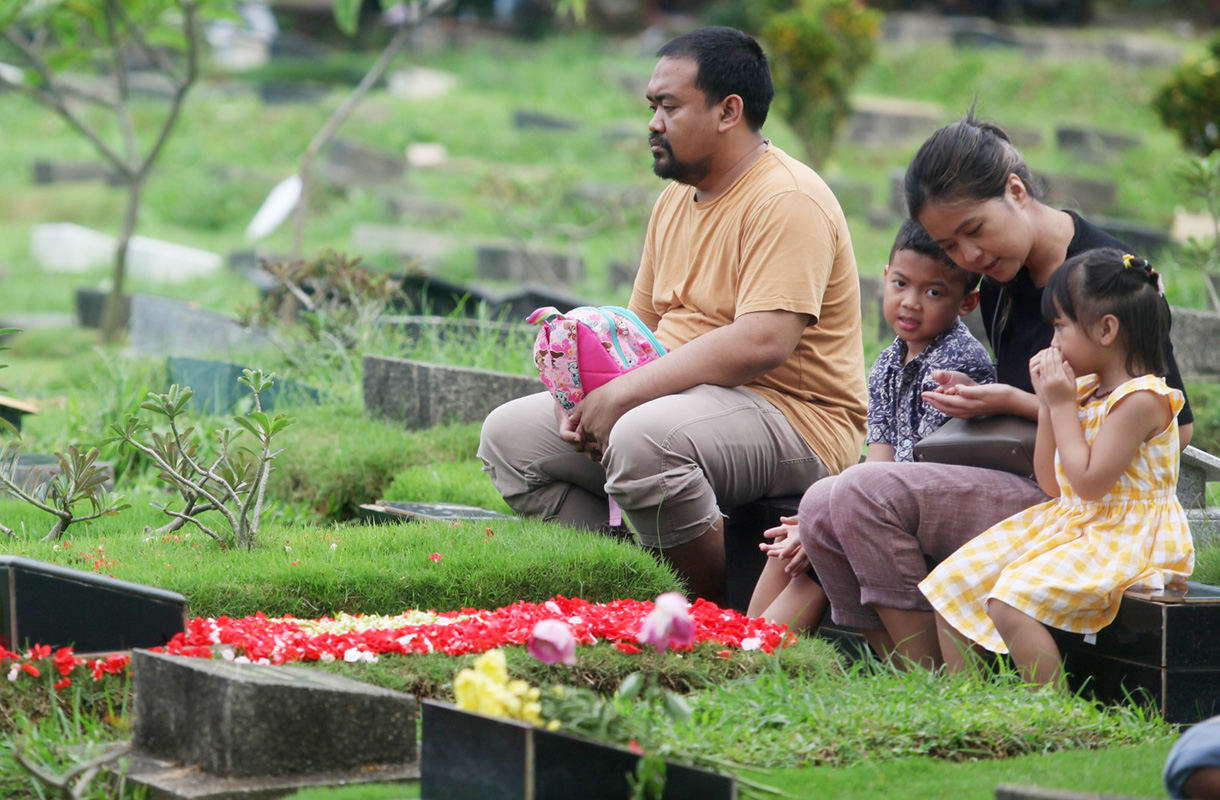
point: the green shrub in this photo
(335, 458)
(818, 49)
(1189, 103)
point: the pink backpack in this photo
(587, 347)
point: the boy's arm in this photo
(879, 451)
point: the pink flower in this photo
(552, 642)
(670, 623)
(435, 557)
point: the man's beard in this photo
(669, 167)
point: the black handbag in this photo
(1003, 441)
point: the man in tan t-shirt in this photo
(749, 280)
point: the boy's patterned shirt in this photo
(897, 414)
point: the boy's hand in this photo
(950, 379)
(787, 545)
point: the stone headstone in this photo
(1144, 51)
(420, 83)
(291, 93)
(167, 262)
(36, 320)
(432, 295)
(1197, 469)
(430, 247)
(1095, 144)
(979, 39)
(426, 155)
(1013, 792)
(898, 193)
(423, 395)
(1087, 195)
(42, 603)
(1025, 137)
(1188, 225)
(68, 247)
(1143, 238)
(526, 120)
(417, 328)
(855, 197)
(160, 326)
(217, 390)
(418, 208)
(886, 121)
(252, 729)
(1194, 335)
(91, 308)
(519, 761)
(622, 273)
(510, 263)
(48, 172)
(349, 162)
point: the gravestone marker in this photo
(886, 121)
(1087, 195)
(1093, 143)
(527, 120)
(430, 247)
(519, 303)
(44, 603)
(91, 306)
(394, 511)
(422, 209)
(249, 730)
(420, 83)
(1194, 335)
(423, 395)
(48, 172)
(515, 264)
(68, 247)
(416, 328)
(349, 162)
(163, 327)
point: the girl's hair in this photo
(969, 160)
(1107, 281)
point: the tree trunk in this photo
(112, 319)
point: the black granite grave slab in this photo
(218, 392)
(393, 511)
(1164, 647)
(471, 757)
(91, 306)
(42, 603)
(743, 528)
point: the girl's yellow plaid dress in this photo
(1067, 562)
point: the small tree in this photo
(47, 39)
(232, 481)
(817, 51)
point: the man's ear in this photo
(732, 112)
(969, 303)
(1108, 329)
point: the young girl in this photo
(1107, 450)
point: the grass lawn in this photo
(821, 729)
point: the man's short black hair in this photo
(911, 236)
(729, 62)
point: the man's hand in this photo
(571, 432)
(600, 409)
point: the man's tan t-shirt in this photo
(777, 240)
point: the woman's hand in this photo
(970, 399)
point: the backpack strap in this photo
(644, 331)
(540, 315)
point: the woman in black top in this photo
(873, 532)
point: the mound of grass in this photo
(311, 572)
(335, 458)
(447, 482)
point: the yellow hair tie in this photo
(1128, 260)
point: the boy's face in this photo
(922, 299)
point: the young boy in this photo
(925, 295)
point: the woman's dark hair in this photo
(1107, 281)
(968, 160)
(730, 62)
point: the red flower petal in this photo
(628, 648)
(435, 558)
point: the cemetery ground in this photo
(818, 725)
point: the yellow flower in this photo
(493, 665)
